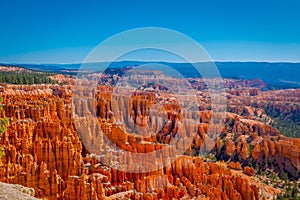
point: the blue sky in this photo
(66, 31)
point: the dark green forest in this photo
(26, 77)
(287, 128)
(287, 121)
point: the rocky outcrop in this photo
(41, 147)
(253, 143)
(233, 165)
(44, 150)
(15, 191)
(249, 171)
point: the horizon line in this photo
(174, 62)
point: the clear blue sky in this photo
(65, 31)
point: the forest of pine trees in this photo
(26, 77)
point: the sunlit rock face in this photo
(44, 150)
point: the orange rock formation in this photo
(43, 150)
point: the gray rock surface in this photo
(16, 192)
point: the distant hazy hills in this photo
(276, 75)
